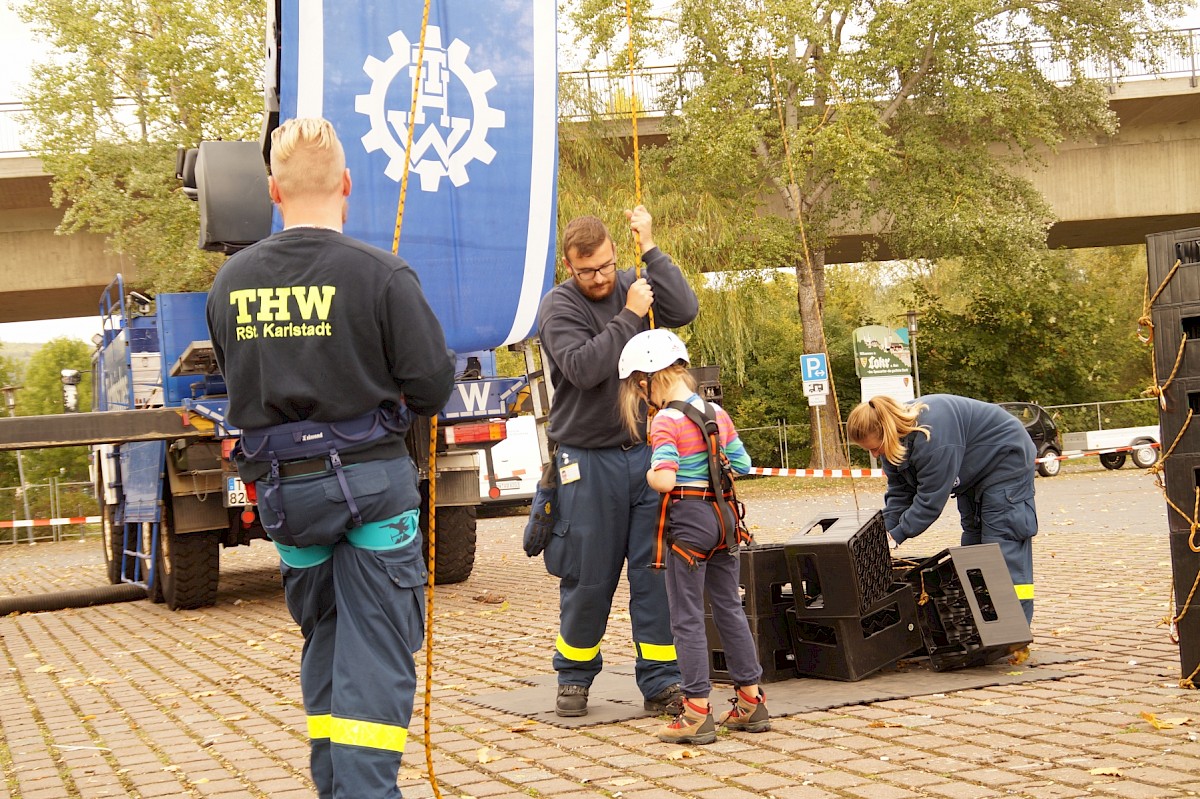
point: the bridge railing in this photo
(613, 94)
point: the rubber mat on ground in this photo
(614, 696)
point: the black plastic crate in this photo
(1162, 252)
(1181, 477)
(851, 648)
(1176, 328)
(839, 567)
(968, 609)
(1180, 396)
(1184, 566)
(772, 643)
(766, 586)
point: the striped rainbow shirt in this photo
(679, 445)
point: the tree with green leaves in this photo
(901, 118)
(126, 84)
(42, 394)
(10, 375)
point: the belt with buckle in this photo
(301, 468)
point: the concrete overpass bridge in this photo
(1105, 191)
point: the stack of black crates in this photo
(766, 595)
(1175, 314)
(832, 603)
(848, 618)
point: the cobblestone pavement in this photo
(132, 700)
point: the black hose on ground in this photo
(79, 598)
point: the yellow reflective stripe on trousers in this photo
(656, 651)
(368, 733)
(318, 726)
(1024, 591)
(358, 733)
(575, 653)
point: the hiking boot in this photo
(693, 725)
(749, 713)
(572, 700)
(669, 701)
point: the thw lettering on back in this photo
(279, 304)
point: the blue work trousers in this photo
(694, 526)
(608, 522)
(358, 595)
(1004, 514)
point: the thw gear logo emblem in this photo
(443, 145)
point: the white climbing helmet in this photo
(650, 351)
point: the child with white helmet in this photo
(653, 370)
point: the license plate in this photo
(235, 493)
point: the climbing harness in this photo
(729, 511)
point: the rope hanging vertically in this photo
(794, 197)
(433, 430)
(637, 164)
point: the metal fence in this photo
(55, 499)
(1104, 415)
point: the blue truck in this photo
(479, 222)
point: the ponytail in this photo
(882, 418)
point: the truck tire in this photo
(455, 543)
(1145, 457)
(187, 567)
(1112, 460)
(1049, 468)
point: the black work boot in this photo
(572, 700)
(669, 700)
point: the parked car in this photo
(1043, 431)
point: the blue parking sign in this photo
(813, 367)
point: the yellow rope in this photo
(412, 124)
(432, 532)
(637, 164)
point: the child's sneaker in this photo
(749, 713)
(694, 725)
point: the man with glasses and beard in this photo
(606, 511)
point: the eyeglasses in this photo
(590, 274)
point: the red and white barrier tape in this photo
(50, 522)
(767, 471)
(1079, 453)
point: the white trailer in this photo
(1141, 444)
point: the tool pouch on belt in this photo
(720, 475)
(544, 511)
(308, 439)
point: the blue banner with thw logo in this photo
(479, 215)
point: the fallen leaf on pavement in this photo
(680, 754)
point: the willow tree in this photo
(126, 83)
(891, 118)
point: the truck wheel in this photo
(187, 567)
(1049, 468)
(455, 543)
(1112, 460)
(1144, 457)
(112, 539)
